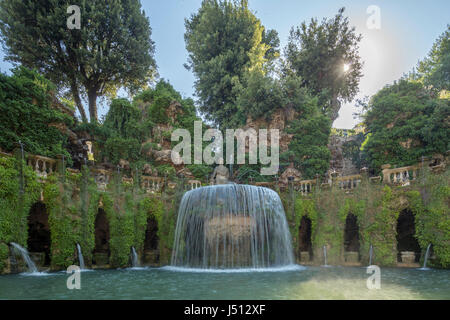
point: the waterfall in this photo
(31, 266)
(231, 226)
(370, 255)
(427, 254)
(134, 258)
(325, 255)
(80, 257)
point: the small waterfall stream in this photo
(427, 254)
(80, 257)
(370, 255)
(134, 258)
(325, 256)
(31, 266)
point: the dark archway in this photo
(151, 236)
(406, 230)
(351, 233)
(304, 236)
(39, 239)
(151, 242)
(101, 233)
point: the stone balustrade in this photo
(304, 186)
(194, 184)
(348, 182)
(41, 165)
(127, 180)
(264, 184)
(152, 184)
(399, 176)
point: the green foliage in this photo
(432, 217)
(435, 68)
(317, 52)
(117, 148)
(4, 252)
(14, 206)
(112, 49)
(122, 118)
(352, 149)
(64, 223)
(26, 114)
(404, 123)
(225, 40)
(308, 148)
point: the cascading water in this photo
(31, 266)
(370, 255)
(134, 258)
(427, 254)
(231, 226)
(80, 257)
(325, 256)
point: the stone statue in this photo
(220, 175)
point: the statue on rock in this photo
(220, 175)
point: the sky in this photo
(408, 29)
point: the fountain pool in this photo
(293, 283)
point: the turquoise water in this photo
(292, 283)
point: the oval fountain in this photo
(232, 227)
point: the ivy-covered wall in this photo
(377, 208)
(72, 205)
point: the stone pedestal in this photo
(408, 256)
(101, 259)
(304, 256)
(151, 257)
(351, 256)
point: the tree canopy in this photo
(26, 114)
(404, 122)
(318, 52)
(435, 68)
(112, 49)
(225, 41)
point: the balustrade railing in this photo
(44, 166)
(399, 176)
(41, 165)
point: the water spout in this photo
(325, 256)
(80, 257)
(427, 254)
(31, 266)
(231, 226)
(134, 258)
(370, 255)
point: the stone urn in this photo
(408, 256)
(351, 256)
(304, 256)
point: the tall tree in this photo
(405, 121)
(435, 68)
(225, 40)
(326, 56)
(112, 49)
